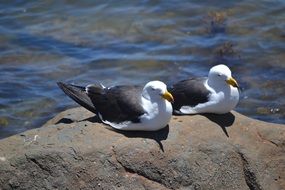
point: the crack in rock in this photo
(38, 164)
(249, 176)
(266, 140)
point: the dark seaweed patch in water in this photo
(3, 122)
(216, 23)
(226, 54)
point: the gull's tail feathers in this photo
(78, 94)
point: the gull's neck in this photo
(152, 105)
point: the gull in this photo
(125, 107)
(218, 93)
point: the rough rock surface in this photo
(74, 151)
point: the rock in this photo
(74, 151)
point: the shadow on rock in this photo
(93, 119)
(65, 121)
(157, 136)
(223, 120)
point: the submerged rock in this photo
(74, 151)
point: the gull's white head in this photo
(221, 74)
(156, 91)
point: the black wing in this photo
(189, 92)
(119, 103)
(116, 104)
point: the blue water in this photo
(132, 42)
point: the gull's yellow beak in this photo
(233, 82)
(168, 96)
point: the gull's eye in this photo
(219, 74)
(153, 89)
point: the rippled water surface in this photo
(132, 42)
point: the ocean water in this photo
(132, 42)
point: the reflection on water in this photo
(118, 42)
